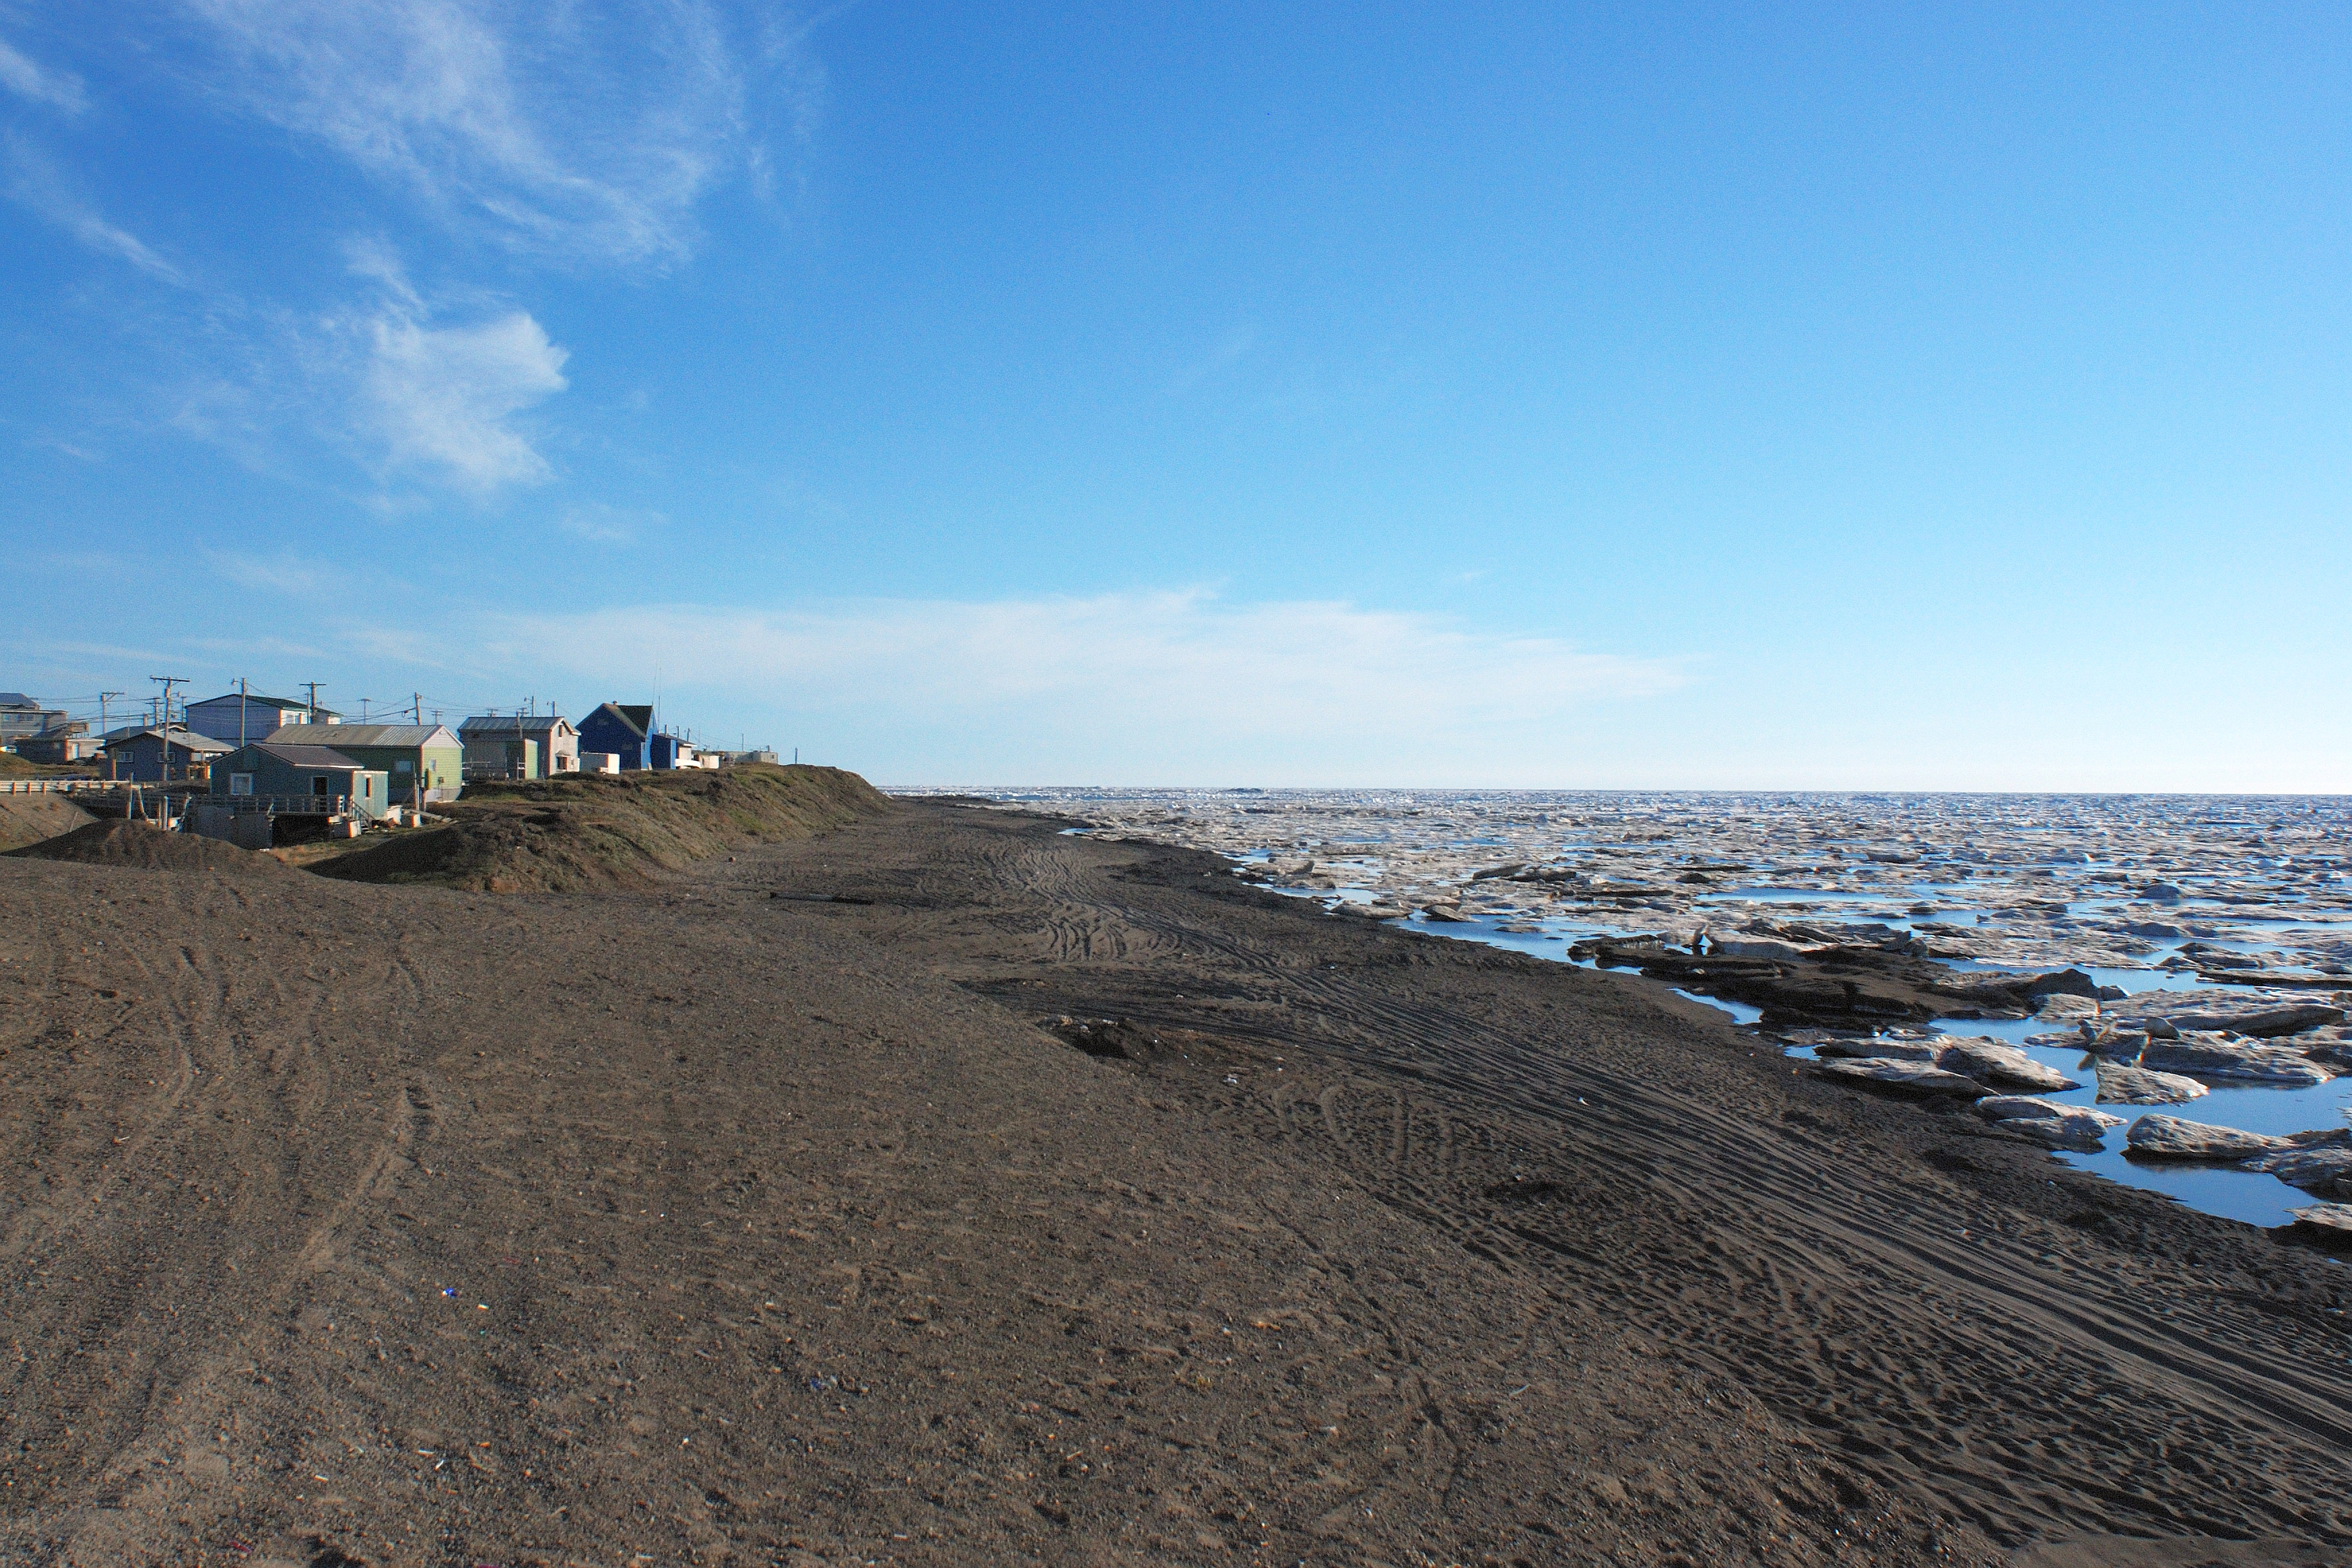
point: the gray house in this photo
(289, 775)
(21, 717)
(530, 745)
(239, 718)
(67, 742)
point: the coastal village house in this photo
(627, 730)
(68, 742)
(292, 775)
(423, 762)
(137, 753)
(238, 717)
(622, 730)
(532, 745)
(21, 717)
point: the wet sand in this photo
(397, 1225)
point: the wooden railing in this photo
(283, 805)
(59, 785)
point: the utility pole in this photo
(310, 714)
(163, 731)
(417, 710)
(102, 728)
(240, 712)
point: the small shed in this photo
(137, 753)
(424, 759)
(289, 777)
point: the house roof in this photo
(494, 724)
(16, 699)
(312, 756)
(401, 735)
(187, 739)
(638, 716)
(254, 699)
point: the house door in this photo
(320, 787)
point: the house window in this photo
(400, 765)
(240, 783)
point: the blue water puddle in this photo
(2249, 1197)
(1794, 895)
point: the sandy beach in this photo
(946, 1188)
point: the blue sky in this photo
(1256, 395)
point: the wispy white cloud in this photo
(1168, 685)
(585, 132)
(440, 398)
(375, 258)
(56, 89)
(33, 179)
(284, 573)
(60, 444)
(1228, 351)
(420, 392)
(600, 523)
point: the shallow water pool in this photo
(2251, 1196)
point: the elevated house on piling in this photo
(299, 779)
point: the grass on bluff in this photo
(601, 831)
(14, 767)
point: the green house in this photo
(296, 779)
(422, 762)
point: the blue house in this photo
(137, 753)
(627, 730)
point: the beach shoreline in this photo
(946, 1187)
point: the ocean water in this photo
(2139, 891)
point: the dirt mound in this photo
(30, 818)
(134, 844)
(569, 835)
